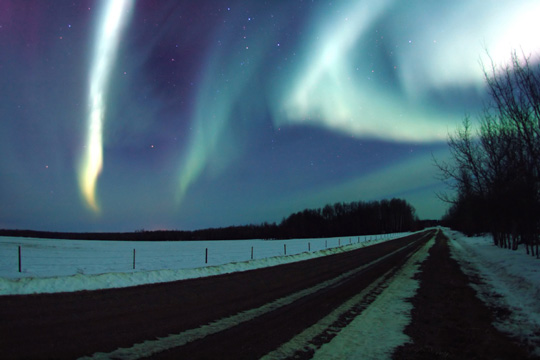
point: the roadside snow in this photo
(373, 334)
(151, 347)
(50, 266)
(508, 280)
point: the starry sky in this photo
(122, 115)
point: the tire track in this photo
(151, 347)
(304, 345)
(251, 338)
(72, 325)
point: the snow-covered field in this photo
(49, 265)
(509, 280)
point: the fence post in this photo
(133, 259)
(285, 249)
(19, 259)
(206, 256)
(309, 247)
(252, 253)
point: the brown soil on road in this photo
(70, 325)
(255, 338)
(448, 320)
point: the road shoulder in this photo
(448, 320)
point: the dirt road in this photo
(242, 315)
(448, 320)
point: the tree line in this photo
(349, 219)
(339, 219)
(495, 168)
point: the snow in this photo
(151, 347)
(508, 280)
(378, 330)
(50, 265)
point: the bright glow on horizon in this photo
(114, 16)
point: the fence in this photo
(20, 257)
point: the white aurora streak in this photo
(113, 18)
(328, 91)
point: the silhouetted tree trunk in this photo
(495, 169)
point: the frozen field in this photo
(49, 265)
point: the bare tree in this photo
(495, 169)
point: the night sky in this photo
(121, 115)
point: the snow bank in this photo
(379, 329)
(376, 331)
(508, 280)
(183, 270)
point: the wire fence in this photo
(20, 257)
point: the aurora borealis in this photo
(122, 115)
(113, 18)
